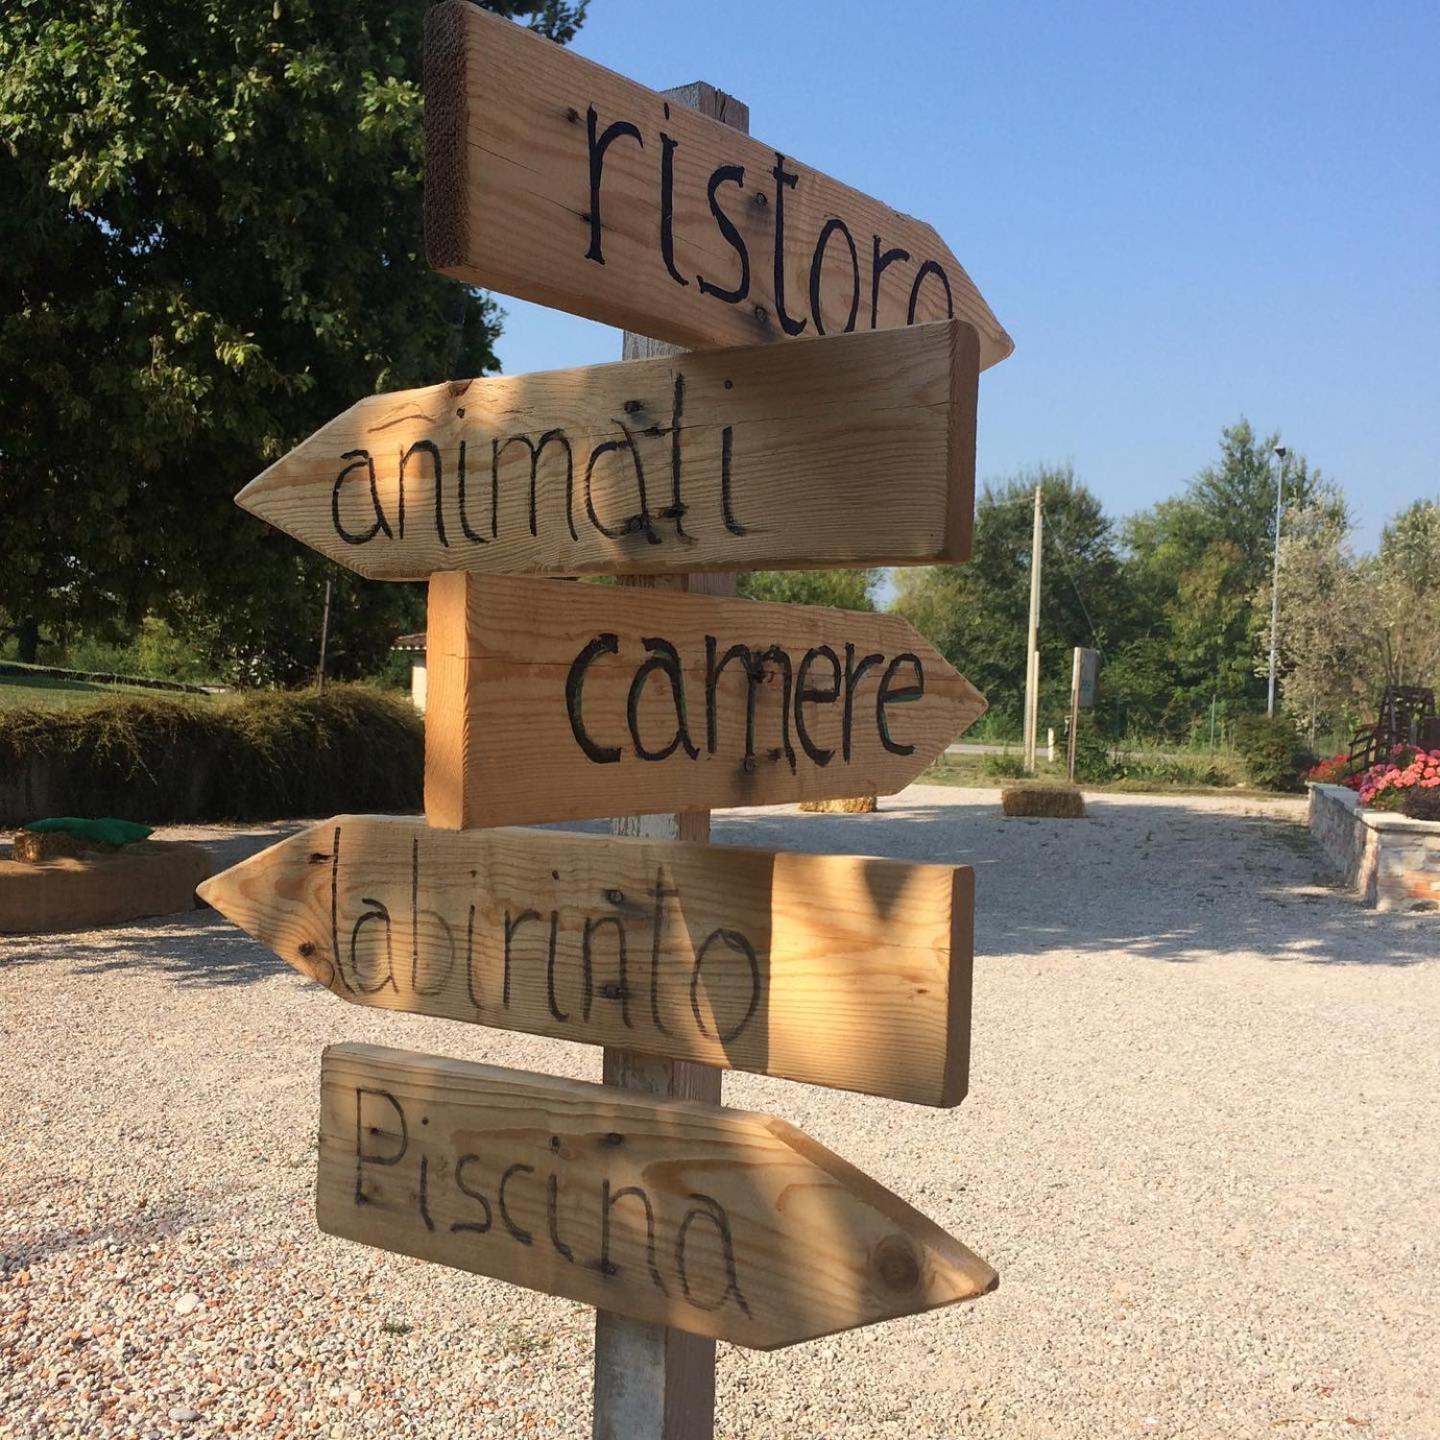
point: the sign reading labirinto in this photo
(839, 970)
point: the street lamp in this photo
(1280, 454)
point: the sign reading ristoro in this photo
(834, 969)
(552, 178)
(858, 450)
(716, 1221)
(556, 701)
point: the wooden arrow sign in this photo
(858, 450)
(551, 178)
(716, 1221)
(555, 701)
(833, 969)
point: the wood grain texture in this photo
(834, 969)
(858, 450)
(746, 257)
(548, 669)
(719, 1222)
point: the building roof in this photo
(410, 643)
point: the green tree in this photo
(211, 223)
(1327, 649)
(1198, 567)
(1405, 586)
(845, 589)
(977, 615)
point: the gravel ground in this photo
(1201, 1147)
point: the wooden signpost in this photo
(551, 178)
(549, 701)
(718, 1222)
(833, 969)
(679, 1220)
(859, 450)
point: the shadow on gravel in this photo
(23, 1248)
(1167, 882)
(196, 948)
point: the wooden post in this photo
(324, 640)
(1032, 653)
(652, 1382)
(1074, 713)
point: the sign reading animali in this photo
(715, 1221)
(859, 450)
(832, 969)
(555, 701)
(551, 178)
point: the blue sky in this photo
(1182, 213)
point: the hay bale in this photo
(1049, 802)
(861, 805)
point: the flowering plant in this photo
(1337, 770)
(1386, 783)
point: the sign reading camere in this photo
(854, 451)
(552, 178)
(716, 1221)
(834, 969)
(555, 701)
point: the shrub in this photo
(1093, 760)
(1337, 770)
(1176, 772)
(261, 755)
(1004, 767)
(1269, 751)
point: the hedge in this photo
(261, 755)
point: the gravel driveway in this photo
(1201, 1147)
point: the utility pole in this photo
(324, 641)
(1032, 652)
(1280, 452)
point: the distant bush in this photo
(1270, 752)
(1093, 761)
(1175, 772)
(1004, 767)
(258, 756)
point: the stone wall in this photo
(1392, 861)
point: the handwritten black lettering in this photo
(784, 179)
(364, 1157)
(731, 175)
(516, 1232)
(606, 644)
(359, 460)
(738, 944)
(705, 1207)
(598, 147)
(474, 1227)
(806, 694)
(817, 267)
(890, 696)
